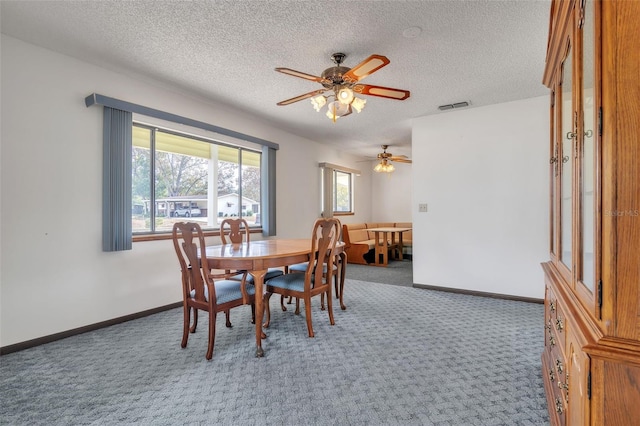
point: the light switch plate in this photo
(422, 208)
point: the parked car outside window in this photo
(187, 212)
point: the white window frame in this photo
(329, 189)
(212, 215)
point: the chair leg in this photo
(227, 315)
(343, 266)
(267, 310)
(253, 313)
(322, 302)
(212, 333)
(284, 308)
(330, 306)
(187, 323)
(195, 321)
(307, 310)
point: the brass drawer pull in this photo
(559, 366)
(552, 375)
(552, 305)
(559, 405)
(559, 324)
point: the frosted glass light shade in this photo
(318, 102)
(358, 104)
(336, 109)
(345, 95)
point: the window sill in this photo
(168, 235)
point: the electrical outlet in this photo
(422, 208)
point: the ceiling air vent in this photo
(452, 106)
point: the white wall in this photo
(483, 173)
(391, 194)
(54, 276)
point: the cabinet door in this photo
(566, 137)
(554, 169)
(576, 385)
(587, 273)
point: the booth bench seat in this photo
(359, 241)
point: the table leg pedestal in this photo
(381, 249)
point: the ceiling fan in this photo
(386, 158)
(343, 82)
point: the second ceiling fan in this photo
(386, 158)
(344, 83)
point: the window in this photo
(177, 176)
(119, 209)
(342, 192)
(337, 190)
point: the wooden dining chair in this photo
(338, 276)
(200, 288)
(318, 276)
(237, 233)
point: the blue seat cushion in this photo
(271, 273)
(226, 291)
(302, 267)
(299, 267)
(293, 281)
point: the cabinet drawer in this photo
(555, 323)
(554, 373)
(551, 303)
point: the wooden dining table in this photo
(382, 245)
(257, 257)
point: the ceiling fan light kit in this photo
(384, 167)
(343, 82)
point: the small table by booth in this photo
(383, 244)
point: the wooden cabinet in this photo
(591, 360)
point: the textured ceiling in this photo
(480, 51)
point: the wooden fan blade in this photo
(400, 160)
(383, 92)
(367, 67)
(300, 74)
(301, 97)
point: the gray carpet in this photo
(397, 356)
(397, 272)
